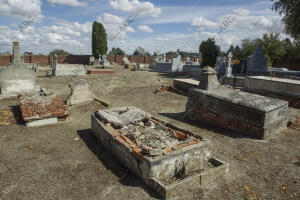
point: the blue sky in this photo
(158, 25)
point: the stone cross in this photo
(229, 68)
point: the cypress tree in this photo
(99, 40)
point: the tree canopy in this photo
(117, 51)
(59, 52)
(140, 51)
(290, 9)
(99, 40)
(209, 52)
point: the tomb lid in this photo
(257, 102)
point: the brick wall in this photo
(5, 60)
(79, 59)
(289, 64)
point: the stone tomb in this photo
(16, 78)
(272, 85)
(80, 92)
(239, 111)
(66, 69)
(165, 67)
(41, 109)
(163, 156)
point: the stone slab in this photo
(100, 71)
(279, 86)
(42, 122)
(185, 84)
(233, 81)
(239, 111)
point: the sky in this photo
(156, 25)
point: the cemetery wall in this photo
(80, 59)
(289, 64)
(5, 60)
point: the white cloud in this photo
(203, 23)
(20, 9)
(145, 28)
(114, 26)
(241, 11)
(68, 2)
(136, 7)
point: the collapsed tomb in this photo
(163, 156)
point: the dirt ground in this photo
(65, 161)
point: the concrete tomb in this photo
(165, 67)
(80, 92)
(165, 157)
(43, 109)
(272, 85)
(16, 78)
(241, 112)
(66, 69)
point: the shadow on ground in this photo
(126, 178)
(181, 117)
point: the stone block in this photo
(208, 79)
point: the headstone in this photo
(126, 60)
(257, 62)
(92, 60)
(208, 79)
(176, 64)
(80, 92)
(228, 72)
(164, 58)
(221, 66)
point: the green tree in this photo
(117, 51)
(237, 53)
(231, 49)
(209, 52)
(99, 40)
(289, 48)
(140, 51)
(273, 47)
(59, 52)
(290, 9)
(248, 47)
